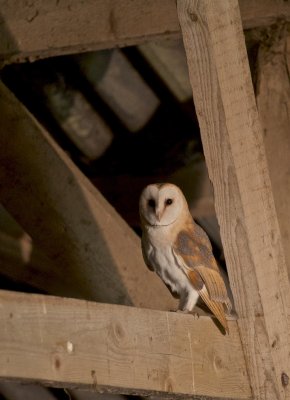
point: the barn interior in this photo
(119, 116)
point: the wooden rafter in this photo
(235, 156)
(41, 29)
(78, 344)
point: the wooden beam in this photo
(43, 29)
(119, 84)
(73, 343)
(235, 156)
(273, 100)
(94, 250)
(77, 118)
(167, 58)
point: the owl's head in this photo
(162, 204)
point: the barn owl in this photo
(179, 251)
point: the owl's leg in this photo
(187, 301)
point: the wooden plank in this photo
(235, 156)
(119, 84)
(73, 343)
(77, 118)
(273, 100)
(97, 254)
(167, 58)
(42, 29)
(262, 13)
(38, 29)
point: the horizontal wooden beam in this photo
(96, 253)
(73, 343)
(35, 29)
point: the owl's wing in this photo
(195, 258)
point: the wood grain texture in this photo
(74, 343)
(235, 156)
(38, 28)
(96, 253)
(273, 100)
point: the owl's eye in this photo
(151, 203)
(168, 202)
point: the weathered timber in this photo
(167, 57)
(236, 160)
(77, 344)
(38, 29)
(117, 82)
(273, 100)
(94, 250)
(78, 119)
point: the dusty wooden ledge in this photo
(66, 342)
(38, 29)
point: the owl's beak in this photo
(158, 214)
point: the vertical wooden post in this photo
(235, 156)
(273, 101)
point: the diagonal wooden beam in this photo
(77, 344)
(235, 156)
(96, 253)
(40, 29)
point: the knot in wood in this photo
(119, 331)
(193, 16)
(116, 332)
(57, 363)
(284, 379)
(217, 363)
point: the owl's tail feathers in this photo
(216, 308)
(212, 292)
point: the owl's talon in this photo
(179, 311)
(183, 311)
(195, 315)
